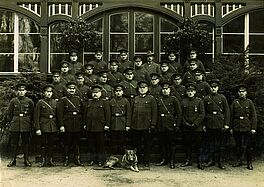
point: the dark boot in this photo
(249, 165)
(200, 165)
(26, 152)
(43, 157)
(161, 163)
(220, 160)
(77, 156)
(210, 163)
(249, 159)
(172, 164)
(238, 163)
(13, 154)
(188, 162)
(66, 152)
(50, 160)
(172, 157)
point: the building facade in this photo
(29, 29)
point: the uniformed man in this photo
(192, 117)
(82, 90)
(75, 66)
(89, 77)
(140, 73)
(107, 90)
(189, 76)
(114, 77)
(217, 121)
(45, 120)
(98, 62)
(243, 125)
(174, 66)
(193, 56)
(151, 66)
(144, 119)
(155, 88)
(120, 120)
(97, 121)
(70, 122)
(129, 84)
(169, 120)
(65, 74)
(202, 87)
(165, 75)
(20, 114)
(59, 88)
(177, 89)
(123, 62)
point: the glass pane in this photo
(163, 42)
(88, 58)
(256, 21)
(118, 41)
(6, 63)
(258, 59)
(54, 46)
(6, 43)
(256, 44)
(88, 48)
(207, 60)
(143, 22)
(6, 21)
(143, 42)
(99, 25)
(56, 59)
(27, 26)
(235, 26)
(119, 23)
(167, 26)
(57, 27)
(207, 26)
(29, 43)
(28, 61)
(233, 43)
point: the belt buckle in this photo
(50, 116)
(241, 117)
(214, 112)
(162, 115)
(132, 96)
(74, 113)
(21, 115)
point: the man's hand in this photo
(127, 128)
(106, 128)
(62, 129)
(253, 131)
(38, 132)
(204, 128)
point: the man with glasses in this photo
(243, 126)
(217, 118)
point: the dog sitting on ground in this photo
(128, 161)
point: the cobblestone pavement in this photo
(154, 176)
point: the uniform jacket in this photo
(243, 115)
(140, 73)
(155, 90)
(90, 80)
(76, 67)
(99, 65)
(59, 91)
(188, 77)
(178, 91)
(45, 116)
(114, 78)
(97, 115)
(152, 68)
(130, 88)
(84, 92)
(120, 114)
(107, 91)
(122, 65)
(175, 67)
(20, 114)
(144, 112)
(169, 113)
(203, 89)
(217, 113)
(67, 77)
(165, 77)
(192, 114)
(70, 113)
(199, 63)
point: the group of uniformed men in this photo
(133, 100)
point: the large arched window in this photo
(19, 42)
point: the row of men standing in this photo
(162, 112)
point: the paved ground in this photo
(154, 176)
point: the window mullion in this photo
(246, 39)
(16, 42)
(131, 37)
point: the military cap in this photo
(73, 51)
(142, 83)
(242, 87)
(45, 87)
(154, 75)
(193, 61)
(123, 51)
(113, 61)
(96, 88)
(150, 53)
(102, 73)
(214, 82)
(56, 73)
(192, 49)
(165, 84)
(98, 51)
(79, 74)
(64, 62)
(199, 72)
(21, 85)
(164, 62)
(118, 87)
(176, 76)
(89, 64)
(190, 86)
(71, 84)
(128, 70)
(171, 51)
(137, 57)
